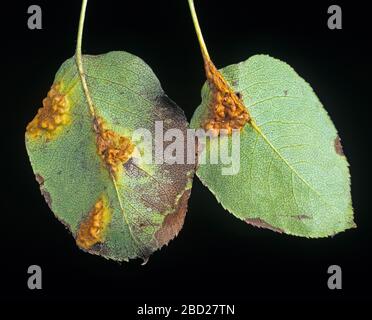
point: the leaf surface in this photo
(84, 162)
(293, 176)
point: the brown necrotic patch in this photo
(226, 109)
(114, 149)
(257, 222)
(338, 146)
(92, 230)
(173, 222)
(52, 116)
(44, 192)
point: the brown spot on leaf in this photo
(226, 109)
(285, 92)
(47, 197)
(92, 230)
(132, 170)
(173, 222)
(43, 191)
(52, 116)
(198, 150)
(257, 222)
(39, 179)
(301, 217)
(338, 146)
(113, 148)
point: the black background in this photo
(216, 258)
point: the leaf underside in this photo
(293, 176)
(138, 208)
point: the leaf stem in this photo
(78, 56)
(81, 27)
(199, 34)
(79, 62)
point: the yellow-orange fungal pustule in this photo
(114, 149)
(52, 116)
(92, 230)
(226, 110)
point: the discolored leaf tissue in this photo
(83, 157)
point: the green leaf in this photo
(293, 176)
(83, 157)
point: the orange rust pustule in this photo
(92, 229)
(114, 150)
(51, 116)
(226, 109)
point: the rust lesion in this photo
(114, 149)
(52, 116)
(226, 109)
(93, 229)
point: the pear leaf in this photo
(84, 158)
(291, 175)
